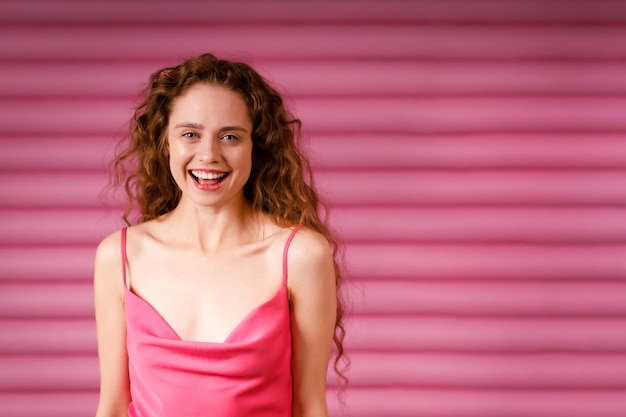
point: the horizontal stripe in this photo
(383, 296)
(498, 262)
(336, 41)
(366, 151)
(378, 334)
(398, 402)
(324, 10)
(331, 78)
(411, 402)
(373, 261)
(419, 224)
(439, 370)
(362, 187)
(324, 115)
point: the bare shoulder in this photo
(310, 259)
(309, 246)
(109, 250)
(108, 267)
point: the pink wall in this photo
(474, 154)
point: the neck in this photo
(211, 229)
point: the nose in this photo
(209, 150)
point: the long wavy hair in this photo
(280, 183)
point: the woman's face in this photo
(210, 145)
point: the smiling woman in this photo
(210, 145)
(221, 297)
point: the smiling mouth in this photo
(208, 178)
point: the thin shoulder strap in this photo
(289, 239)
(124, 254)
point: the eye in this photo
(229, 137)
(190, 135)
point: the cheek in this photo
(249, 154)
(177, 152)
(247, 163)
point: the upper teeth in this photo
(208, 175)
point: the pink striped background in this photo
(473, 152)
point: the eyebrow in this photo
(190, 125)
(200, 126)
(236, 128)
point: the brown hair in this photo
(281, 180)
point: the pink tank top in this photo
(247, 375)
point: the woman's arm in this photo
(312, 288)
(111, 329)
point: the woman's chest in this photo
(206, 298)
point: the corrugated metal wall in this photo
(474, 153)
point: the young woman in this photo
(222, 298)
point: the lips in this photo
(208, 179)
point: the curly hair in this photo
(281, 179)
